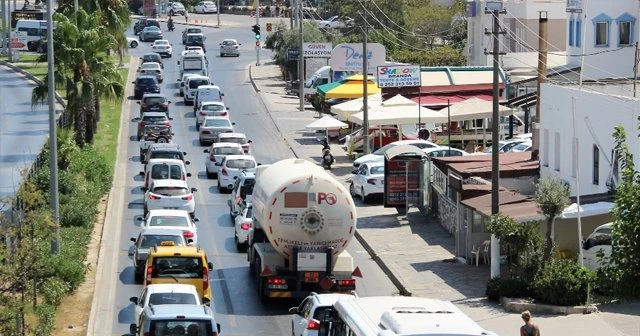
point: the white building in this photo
(521, 39)
(606, 32)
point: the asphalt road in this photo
(23, 129)
(235, 295)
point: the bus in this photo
(401, 315)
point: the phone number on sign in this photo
(398, 83)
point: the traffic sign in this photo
(293, 54)
(269, 27)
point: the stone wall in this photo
(448, 214)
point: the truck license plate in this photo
(313, 277)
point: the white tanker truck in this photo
(303, 221)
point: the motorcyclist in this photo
(170, 24)
(327, 157)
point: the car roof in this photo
(208, 87)
(330, 299)
(154, 114)
(196, 76)
(161, 40)
(195, 34)
(171, 288)
(169, 183)
(151, 54)
(150, 230)
(151, 63)
(216, 117)
(239, 157)
(232, 40)
(146, 77)
(154, 95)
(209, 102)
(164, 146)
(183, 250)
(168, 212)
(161, 161)
(372, 164)
(232, 135)
(190, 312)
(226, 144)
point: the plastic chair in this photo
(485, 247)
(475, 253)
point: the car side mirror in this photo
(144, 189)
(136, 119)
(218, 326)
(188, 174)
(196, 219)
(141, 173)
(293, 310)
(133, 300)
(187, 162)
(259, 164)
(194, 189)
(206, 150)
(228, 108)
(219, 43)
(133, 239)
(235, 213)
(233, 123)
(206, 301)
(178, 62)
(189, 241)
(139, 218)
(210, 266)
(133, 329)
(180, 80)
(250, 141)
(138, 102)
(170, 118)
(222, 94)
(184, 153)
(218, 164)
(133, 83)
(354, 171)
(169, 102)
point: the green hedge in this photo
(563, 283)
(513, 288)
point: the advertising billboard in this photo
(401, 182)
(399, 76)
(349, 57)
(317, 50)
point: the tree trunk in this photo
(96, 108)
(548, 249)
(79, 125)
(91, 123)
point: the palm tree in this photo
(107, 83)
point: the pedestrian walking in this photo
(186, 16)
(528, 329)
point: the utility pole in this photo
(301, 77)
(542, 77)
(9, 47)
(635, 70)
(495, 8)
(258, 46)
(218, 12)
(53, 136)
(365, 93)
(3, 38)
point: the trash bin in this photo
(15, 55)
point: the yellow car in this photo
(172, 264)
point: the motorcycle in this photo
(171, 26)
(327, 158)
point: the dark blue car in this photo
(145, 84)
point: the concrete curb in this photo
(520, 305)
(182, 23)
(387, 271)
(34, 79)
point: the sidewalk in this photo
(415, 251)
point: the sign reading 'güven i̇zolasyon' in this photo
(349, 57)
(318, 50)
(399, 76)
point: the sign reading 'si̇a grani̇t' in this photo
(349, 57)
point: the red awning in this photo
(441, 100)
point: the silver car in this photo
(152, 69)
(210, 109)
(151, 33)
(211, 127)
(229, 47)
(149, 237)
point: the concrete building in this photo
(609, 32)
(521, 39)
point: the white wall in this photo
(528, 60)
(594, 110)
(614, 64)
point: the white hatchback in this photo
(229, 47)
(217, 152)
(239, 138)
(231, 167)
(210, 109)
(170, 194)
(161, 294)
(243, 225)
(313, 310)
(378, 155)
(172, 219)
(183, 81)
(368, 180)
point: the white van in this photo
(191, 86)
(193, 62)
(34, 31)
(321, 76)
(210, 93)
(598, 240)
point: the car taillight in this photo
(224, 114)
(184, 176)
(371, 181)
(148, 278)
(168, 123)
(206, 132)
(224, 172)
(347, 282)
(188, 198)
(275, 281)
(202, 113)
(154, 197)
(212, 157)
(245, 226)
(141, 124)
(313, 325)
(188, 234)
(145, 106)
(205, 278)
(164, 105)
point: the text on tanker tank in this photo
(288, 219)
(288, 243)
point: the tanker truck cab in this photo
(172, 264)
(303, 220)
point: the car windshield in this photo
(162, 42)
(383, 149)
(192, 64)
(376, 170)
(146, 81)
(180, 327)
(227, 150)
(249, 213)
(247, 187)
(152, 240)
(154, 100)
(241, 163)
(217, 123)
(521, 147)
(165, 155)
(154, 119)
(179, 267)
(228, 43)
(213, 107)
(150, 66)
(194, 83)
(151, 58)
(238, 140)
(168, 221)
(164, 172)
(152, 28)
(195, 38)
(194, 31)
(170, 191)
(172, 298)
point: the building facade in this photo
(521, 41)
(606, 33)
